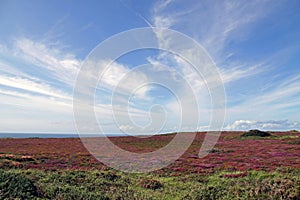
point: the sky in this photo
(255, 46)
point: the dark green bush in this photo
(151, 184)
(14, 185)
(256, 133)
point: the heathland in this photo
(240, 166)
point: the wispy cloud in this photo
(22, 112)
(281, 94)
(32, 86)
(30, 94)
(236, 73)
(37, 75)
(286, 91)
(63, 66)
(29, 90)
(122, 79)
(213, 27)
(280, 100)
(212, 23)
(218, 26)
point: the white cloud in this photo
(32, 86)
(163, 22)
(7, 69)
(287, 90)
(32, 98)
(24, 112)
(161, 5)
(62, 66)
(282, 95)
(22, 92)
(126, 127)
(263, 125)
(25, 101)
(214, 25)
(123, 79)
(235, 73)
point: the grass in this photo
(109, 184)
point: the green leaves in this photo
(15, 185)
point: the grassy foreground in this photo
(109, 184)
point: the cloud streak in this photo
(32, 87)
(63, 66)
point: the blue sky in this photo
(254, 44)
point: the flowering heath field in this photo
(236, 168)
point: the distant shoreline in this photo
(50, 135)
(68, 135)
(75, 135)
(63, 135)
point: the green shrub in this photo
(14, 185)
(76, 184)
(67, 192)
(256, 133)
(151, 184)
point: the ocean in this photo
(52, 135)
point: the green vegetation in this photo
(237, 167)
(109, 184)
(15, 185)
(256, 133)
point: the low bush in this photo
(151, 184)
(16, 186)
(256, 133)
